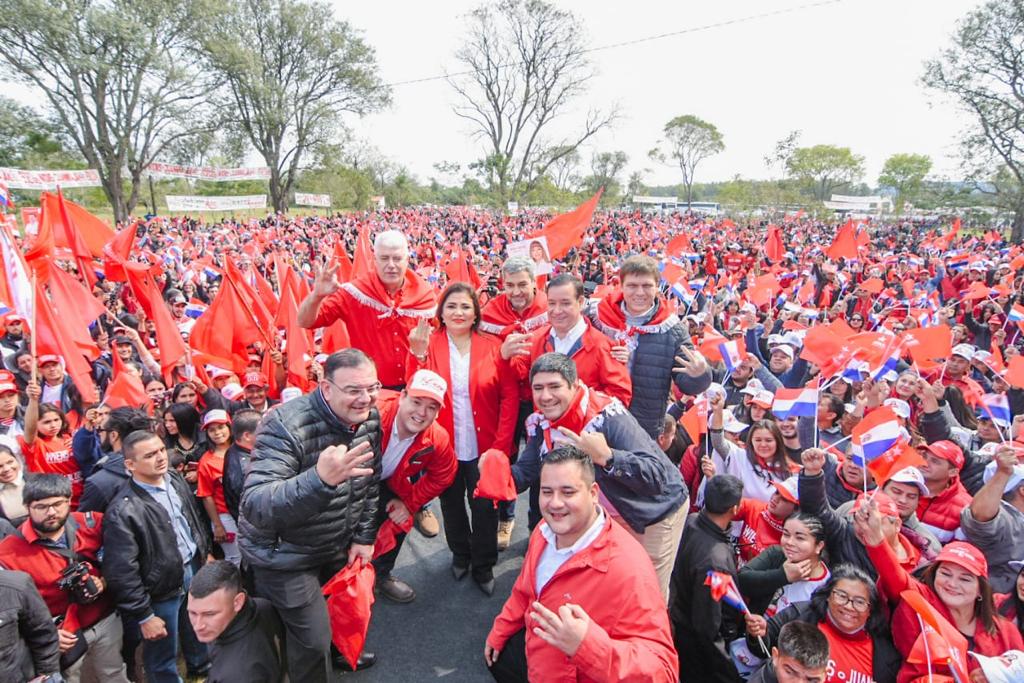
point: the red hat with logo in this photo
(886, 505)
(948, 451)
(254, 379)
(966, 556)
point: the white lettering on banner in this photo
(303, 199)
(48, 180)
(210, 173)
(195, 203)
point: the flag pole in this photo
(35, 334)
(927, 650)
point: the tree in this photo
(825, 168)
(291, 71)
(904, 173)
(688, 141)
(28, 140)
(605, 168)
(563, 172)
(983, 69)
(636, 185)
(117, 78)
(524, 65)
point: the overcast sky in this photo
(844, 74)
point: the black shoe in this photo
(395, 590)
(487, 586)
(459, 572)
(365, 661)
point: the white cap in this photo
(765, 398)
(232, 391)
(428, 384)
(752, 387)
(891, 376)
(216, 417)
(715, 389)
(288, 393)
(1016, 479)
(786, 349)
(911, 475)
(214, 372)
(793, 339)
(774, 340)
(1006, 668)
(899, 406)
(748, 307)
(964, 350)
(978, 265)
(731, 424)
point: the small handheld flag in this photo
(733, 352)
(723, 587)
(795, 402)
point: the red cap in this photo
(13, 318)
(948, 451)
(966, 556)
(48, 358)
(254, 379)
(885, 504)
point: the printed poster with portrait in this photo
(535, 249)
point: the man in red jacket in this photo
(939, 511)
(587, 605)
(417, 464)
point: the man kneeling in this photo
(244, 633)
(587, 604)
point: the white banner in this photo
(156, 170)
(48, 180)
(303, 199)
(193, 203)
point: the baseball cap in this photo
(784, 348)
(995, 319)
(13, 318)
(428, 384)
(948, 451)
(1016, 565)
(898, 406)
(911, 475)
(48, 358)
(254, 379)
(178, 299)
(886, 506)
(288, 393)
(716, 389)
(1016, 479)
(1006, 668)
(232, 391)
(965, 555)
(216, 417)
(978, 265)
(731, 424)
(964, 350)
(788, 490)
(763, 399)
(214, 372)
(793, 339)
(753, 386)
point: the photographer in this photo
(60, 551)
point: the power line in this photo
(637, 41)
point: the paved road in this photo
(439, 636)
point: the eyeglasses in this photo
(39, 507)
(842, 599)
(352, 391)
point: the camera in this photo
(76, 582)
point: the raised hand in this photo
(325, 281)
(813, 460)
(419, 338)
(340, 463)
(690, 363)
(591, 443)
(515, 344)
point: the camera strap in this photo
(70, 529)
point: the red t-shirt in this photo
(54, 456)
(758, 531)
(850, 656)
(210, 479)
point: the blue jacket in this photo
(640, 481)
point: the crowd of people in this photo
(787, 452)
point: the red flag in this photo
(344, 262)
(893, 460)
(695, 420)
(349, 599)
(678, 245)
(773, 246)
(872, 285)
(565, 231)
(40, 255)
(168, 337)
(1015, 372)
(495, 480)
(67, 232)
(126, 389)
(929, 343)
(299, 348)
(92, 231)
(72, 298)
(823, 347)
(363, 262)
(458, 268)
(845, 243)
(945, 645)
(709, 344)
(117, 252)
(763, 291)
(227, 328)
(53, 336)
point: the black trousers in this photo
(472, 540)
(298, 600)
(511, 664)
(386, 562)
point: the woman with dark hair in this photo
(185, 443)
(46, 443)
(1011, 605)
(12, 483)
(788, 572)
(198, 396)
(479, 412)
(847, 609)
(955, 584)
(762, 461)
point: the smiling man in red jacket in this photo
(587, 605)
(417, 464)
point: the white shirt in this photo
(52, 394)
(394, 453)
(565, 344)
(552, 559)
(462, 408)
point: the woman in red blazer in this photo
(479, 413)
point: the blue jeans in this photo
(160, 656)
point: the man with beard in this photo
(51, 539)
(14, 334)
(106, 435)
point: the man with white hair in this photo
(379, 307)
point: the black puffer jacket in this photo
(650, 368)
(141, 561)
(289, 518)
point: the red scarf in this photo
(611, 318)
(416, 298)
(586, 405)
(501, 319)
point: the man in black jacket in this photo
(801, 656)
(29, 644)
(236, 460)
(703, 626)
(243, 633)
(309, 505)
(154, 540)
(109, 473)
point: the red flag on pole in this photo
(565, 231)
(125, 389)
(92, 231)
(68, 232)
(773, 245)
(845, 243)
(53, 336)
